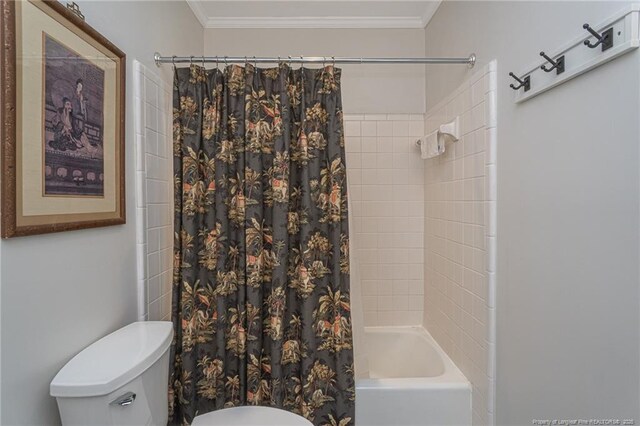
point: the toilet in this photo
(250, 416)
(122, 380)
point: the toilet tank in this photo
(119, 380)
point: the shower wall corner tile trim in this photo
(460, 237)
(154, 228)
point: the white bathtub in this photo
(412, 382)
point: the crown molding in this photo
(429, 12)
(196, 8)
(316, 22)
(313, 21)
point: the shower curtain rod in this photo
(470, 60)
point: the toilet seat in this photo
(250, 416)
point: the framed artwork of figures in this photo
(63, 95)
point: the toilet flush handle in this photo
(124, 400)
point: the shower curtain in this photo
(261, 305)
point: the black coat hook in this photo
(524, 83)
(558, 64)
(605, 39)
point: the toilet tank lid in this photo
(114, 360)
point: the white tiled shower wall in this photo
(386, 186)
(154, 225)
(460, 237)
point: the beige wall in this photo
(383, 89)
(61, 292)
(568, 215)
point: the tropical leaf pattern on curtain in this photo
(261, 306)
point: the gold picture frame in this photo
(63, 122)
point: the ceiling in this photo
(314, 13)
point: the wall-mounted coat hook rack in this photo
(525, 82)
(605, 39)
(615, 36)
(558, 64)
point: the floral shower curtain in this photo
(261, 306)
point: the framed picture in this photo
(62, 99)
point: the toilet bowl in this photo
(122, 380)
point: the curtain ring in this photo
(190, 60)
(225, 62)
(324, 60)
(255, 63)
(203, 66)
(173, 60)
(216, 62)
(245, 62)
(290, 62)
(301, 61)
(334, 61)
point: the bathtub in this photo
(412, 381)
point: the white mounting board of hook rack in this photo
(579, 58)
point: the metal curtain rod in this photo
(470, 60)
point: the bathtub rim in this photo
(452, 378)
